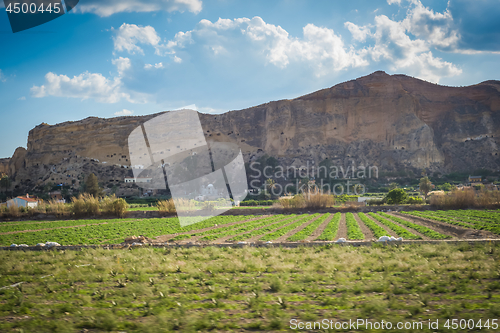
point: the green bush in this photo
(415, 201)
(375, 202)
(396, 196)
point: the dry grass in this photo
(85, 205)
(166, 206)
(54, 207)
(114, 206)
(466, 198)
(314, 201)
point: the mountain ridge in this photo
(394, 122)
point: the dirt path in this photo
(319, 230)
(448, 229)
(224, 239)
(342, 231)
(165, 238)
(294, 231)
(368, 233)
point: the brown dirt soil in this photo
(319, 230)
(342, 231)
(165, 238)
(448, 229)
(368, 233)
(294, 231)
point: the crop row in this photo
(307, 231)
(472, 216)
(265, 230)
(400, 231)
(217, 229)
(54, 224)
(353, 229)
(111, 233)
(420, 228)
(238, 229)
(331, 229)
(377, 230)
(430, 215)
(283, 231)
(492, 227)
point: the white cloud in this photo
(408, 44)
(201, 109)
(22, 98)
(105, 8)
(124, 112)
(177, 59)
(157, 66)
(358, 33)
(85, 86)
(122, 64)
(129, 35)
(390, 2)
(2, 77)
(319, 47)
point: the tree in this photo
(5, 182)
(270, 186)
(396, 196)
(92, 186)
(446, 187)
(392, 186)
(425, 186)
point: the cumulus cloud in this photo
(157, 66)
(407, 44)
(105, 8)
(2, 77)
(390, 2)
(129, 35)
(124, 112)
(319, 47)
(122, 64)
(357, 32)
(84, 86)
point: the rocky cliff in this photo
(390, 121)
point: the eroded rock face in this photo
(392, 122)
(4, 165)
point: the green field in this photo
(216, 289)
(279, 227)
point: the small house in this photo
(474, 179)
(21, 201)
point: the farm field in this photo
(413, 225)
(250, 289)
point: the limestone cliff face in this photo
(392, 122)
(4, 165)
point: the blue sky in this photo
(134, 57)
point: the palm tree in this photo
(270, 185)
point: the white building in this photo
(23, 202)
(137, 180)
